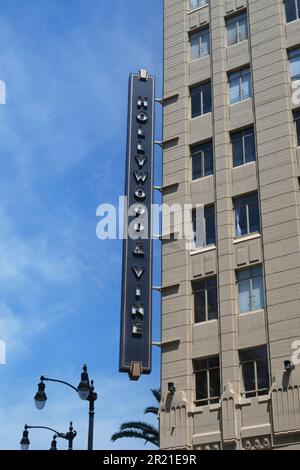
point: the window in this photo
(292, 10)
(294, 58)
(197, 3)
(207, 378)
(205, 300)
(255, 372)
(200, 43)
(297, 122)
(240, 85)
(237, 29)
(204, 227)
(202, 160)
(250, 289)
(243, 147)
(201, 99)
(247, 215)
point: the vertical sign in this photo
(136, 309)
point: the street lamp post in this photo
(68, 436)
(85, 391)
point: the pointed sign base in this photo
(135, 371)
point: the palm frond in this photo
(135, 435)
(140, 429)
(157, 395)
(139, 425)
(152, 409)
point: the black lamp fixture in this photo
(84, 384)
(289, 366)
(40, 397)
(85, 391)
(68, 436)
(25, 442)
(54, 443)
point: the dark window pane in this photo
(208, 159)
(248, 377)
(297, 120)
(202, 160)
(196, 102)
(201, 385)
(207, 98)
(241, 217)
(210, 283)
(237, 149)
(214, 383)
(290, 9)
(254, 222)
(212, 304)
(200, 306)
(209, 214)
(197, 163)
(249, 143)
(213, 362)
(256, 354)
(262, 374)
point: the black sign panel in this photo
(136, 314)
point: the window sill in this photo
(244, 164)
(203, 178)
(252, 312)
(293, 21)
(215, 407)
(239, 102)
(192, 61)
(197, 9)
(260, 399)
(203, 250)
(246, 238)
(205, 322)
(200, 116)
(237, 43)
(264, 398)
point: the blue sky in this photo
(62, 153)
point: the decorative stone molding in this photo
(229, 419)
(257, 443)
(211, 447)
(174, 415)
(285, 408)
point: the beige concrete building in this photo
(231, 304)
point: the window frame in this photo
(240, 73)
(251, 296)
(249, 233)
(291, 54)
(198, 6)
(297, 11)
(244, 133)
(199, 34)
(194, 211)
(205, 288)
(209, 400)
(201, 88)
(257, 392)
(296, 117)
(204, 154)
(236, 20)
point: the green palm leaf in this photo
(140, 429)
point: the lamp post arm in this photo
(59, 434)
(46, 379)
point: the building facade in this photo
(231, 301)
